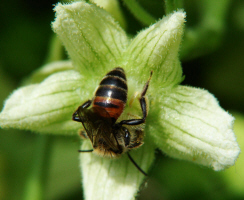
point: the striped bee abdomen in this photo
(112, 93)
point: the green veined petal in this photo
(38, 106)
(156, 48)
(94, 41)
(192, 126)
(105, 178)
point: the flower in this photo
(184, 122)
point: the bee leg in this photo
(75, 116)
(86, 104)
(131, 159)
(143, 100)
(143, 107)
(85, 151)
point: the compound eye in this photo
(127, 137)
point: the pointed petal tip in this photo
(157, 48)
(91, 36)
(217, 166)
(172, 21)
(180, 13)
(176, 20)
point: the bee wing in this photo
(104, 133)
(97, 127)
(104, 128)
(86, 117)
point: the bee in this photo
(109, 137)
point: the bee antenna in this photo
(131, 159)
(84, 151)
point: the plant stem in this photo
(139, 12)
(35, 183)
(171, 5)
(56, 50)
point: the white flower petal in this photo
(93, 39)
(117, 179)
(43, 105)
(194, 127)
(156, 48)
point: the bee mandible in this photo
(109, 137)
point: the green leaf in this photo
(192, 126)
(94, 41)
(156, 48)
(39, 106)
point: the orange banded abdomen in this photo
(114, 107)
(112, 93)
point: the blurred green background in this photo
(212, 59)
